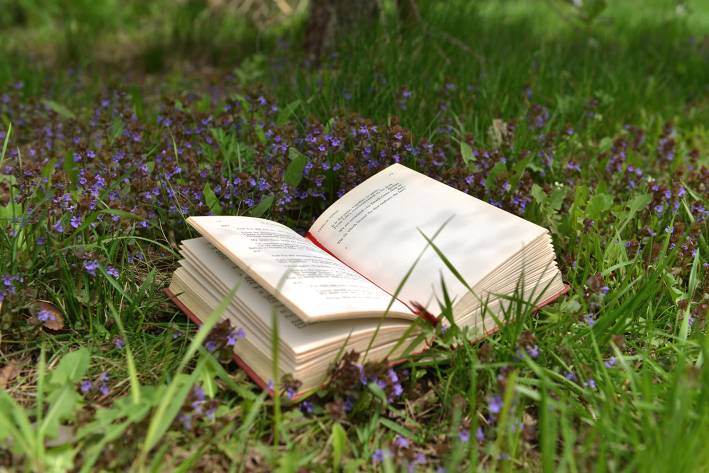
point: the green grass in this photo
(506, 60)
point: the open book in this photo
(341, 284)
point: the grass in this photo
(598, 131)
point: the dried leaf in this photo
(48, 315)
(498, 132)
(8, 372)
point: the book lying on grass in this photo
(364, 273)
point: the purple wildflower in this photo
(186, 420)
(480, 434)
(588, 318)
(119, 343)
(591, 383)
(401, 442)
(75, 221)
(234, 336)
(610, 362)
(380, 454)
(533, 351)
(307, 408)
(86, 386)
(57, 227)
(495, 405)
(91, 266)
(419, 459)
(464, 436)
(570, 376)
(211, 345)
(44, 316)
(348, 404)
(113, 272)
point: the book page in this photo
(308, 280)
(374, 228)
(259, 304)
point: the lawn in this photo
(119, 119)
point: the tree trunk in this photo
(331, 20)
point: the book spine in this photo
(424, 314)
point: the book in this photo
(387, 253)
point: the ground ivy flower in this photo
(590, 383)
(479, 434)
(91, 267)
(234, 336)
(86, 386)
(419, 459)
(495, 405)
(401, 442)
(380, 454)
(103, 383)
(119, 343)
(307, 408)
(113, 272)
(75, 221)
(186, 421)
(610, 362)
(464, 436)
(45, 316)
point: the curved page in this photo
(309, 281)
(375, 229)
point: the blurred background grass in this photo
(627, 58)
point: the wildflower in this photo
(610, 362)
(495, 405)
(291, 393)
(419, 459)
(211, 346)
(570, 376)
(401, 442)
(533, 351)
(91, 266)
(113, 272)
(306, 407)
(44, 315)
(591, 383)
(348, 404)
(186, 420)
(234, 336)
(380, 454)
(119, 343)
(480, 435)
(86, 386)
(57, 227)
(464, 436)
(588, 318)
(75, 221)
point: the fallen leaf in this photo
(8, 372)
(55, 321)
(498, 132)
